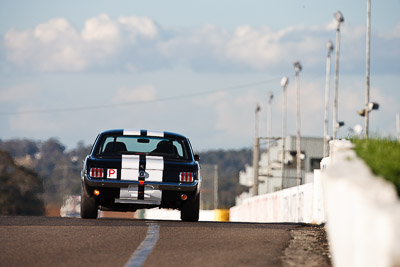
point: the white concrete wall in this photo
(297, 204)
(363, 211)
(175, 215)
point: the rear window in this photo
(110, 146)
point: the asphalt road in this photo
(51, 241)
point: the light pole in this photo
(269, 116)
(256, 152)
(368, 44)
(269, 135)
(340, 19)
(284, 84)
(297, 67)
(367, 109)
(329, 45)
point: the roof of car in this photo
(142, 132)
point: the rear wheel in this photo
(89, 209)
(190, 210)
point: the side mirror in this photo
(196, 157)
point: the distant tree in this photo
(21, 191)
(229, 162)
(79, 153)
(60, 169)
(52, 166)
(76, 156)
(52, 145)
(19, 147)
(51, 155)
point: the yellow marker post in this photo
(221, 215)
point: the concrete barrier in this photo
(363, 211)
(302, 203)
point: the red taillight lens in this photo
(96, 172)
(186, 177)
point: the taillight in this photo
(186, 177)
(96, 172)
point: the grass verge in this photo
(382, 156)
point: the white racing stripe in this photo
(130, 162)
(154, 163)
(155, 133)
(144, 249)
(155, 167)
(130, 167)
(130, 172)
(131, 132)
(148, 132)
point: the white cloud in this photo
(196, 48)
(132, 42)
(51, 46)
(142, 93)
(17, 45)
(57, 46)
(100, 28)
(100, 40)
(139, 26)
(53, 30)
(255, 47)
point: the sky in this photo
(71, 69)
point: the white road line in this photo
(140, 255)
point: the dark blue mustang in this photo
(135, 169)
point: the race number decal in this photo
(112, 173)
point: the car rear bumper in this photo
(107, 183)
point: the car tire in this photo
(89, 209)
(190, 210)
